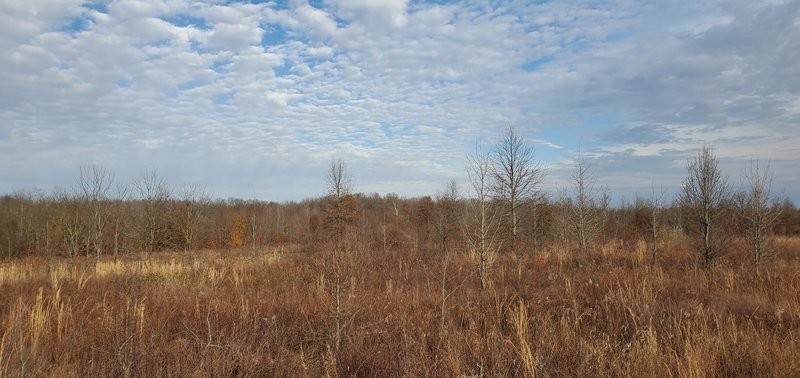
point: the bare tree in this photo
(254, 206)
(195, 202)
(425, 219)
(339, 212)
(94, 185)
(340, 215)
(656, 203)
(445, 214)
(447, 203)
(29, 229)
(156, 194)
(589, 206)
(563, 221)
(705, 190)
(389, 198)
(757, 209)
(72, 221)
(517, 178)
(583, 221)
(119, 214)
(481, 225)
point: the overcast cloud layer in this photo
(256, 99)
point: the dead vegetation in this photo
(236, 313)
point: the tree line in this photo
(504, 209)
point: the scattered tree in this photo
(587, 209)
(705, 190)
(195, 203)
(340, 216)
(155, 194)
(517, 179)
(94, 185)
(758, 210)
(71, 222)
(447, 214)
(446, 224)
(426, 210)
(253, 227)
(656, 203)
(481, 225)
(120, 202)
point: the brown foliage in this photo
(238, 231)
(340, 214)
(206, 313)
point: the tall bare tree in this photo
(446, 222)
(195, 202)
(589, 206)
(341, 213)
(517, 178)
(156, 194)
(758, 210)
(72, 220)
(340, 210)
(120, 203)
(481, 225)
(94, 185)
(704, 192)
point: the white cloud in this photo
(255, 61)
(234, 37)
(22, 21)
(316, 22)
(137, 9)
(376, 14)
(319, 52)
(399, 89)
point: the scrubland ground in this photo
(269, 313)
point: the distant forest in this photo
(101, 216)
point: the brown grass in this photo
(236, 313)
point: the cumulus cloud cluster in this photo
(255, 99)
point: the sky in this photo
(254, 99)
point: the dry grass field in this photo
(268, 313)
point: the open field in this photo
(268, 313)
(399, 188)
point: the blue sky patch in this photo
(536, 64)
(396, 86)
